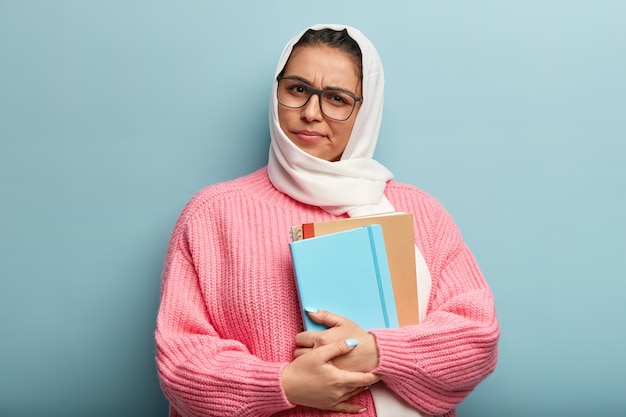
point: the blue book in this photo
(346, 273)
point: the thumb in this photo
(325, 317)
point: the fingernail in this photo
(310, 310)
(362, 410)
(352, 342)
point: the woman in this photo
(229, 334)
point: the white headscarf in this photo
(355, 184)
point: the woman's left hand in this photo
(363, 358)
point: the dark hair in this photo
(335, 39)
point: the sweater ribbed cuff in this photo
(392, 353)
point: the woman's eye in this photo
(299, 89)
(337, 99)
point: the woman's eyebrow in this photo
(310, 84)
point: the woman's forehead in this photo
(323, 64)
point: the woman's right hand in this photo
(313, 381)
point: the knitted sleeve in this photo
(202, 374)
(436, 364)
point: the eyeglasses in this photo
(335, 104)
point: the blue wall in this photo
(113, 113)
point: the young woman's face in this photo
(307, 127)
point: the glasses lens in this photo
(337, 105)
(293, 93)
(334, 104)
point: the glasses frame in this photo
(318, 92)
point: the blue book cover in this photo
(346, 273)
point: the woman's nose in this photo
(312, 110)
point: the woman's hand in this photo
(363, 358)
(314, 381)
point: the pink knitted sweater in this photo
(229, 308)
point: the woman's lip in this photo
(309, 136)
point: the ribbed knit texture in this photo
(229, 309)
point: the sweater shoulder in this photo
(431, 217)
(407, 197)
(215, 195)
(394, 186)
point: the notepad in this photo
(346, 273)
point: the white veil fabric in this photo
(354, 185)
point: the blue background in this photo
(114, 113)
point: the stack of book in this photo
(362, 268)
